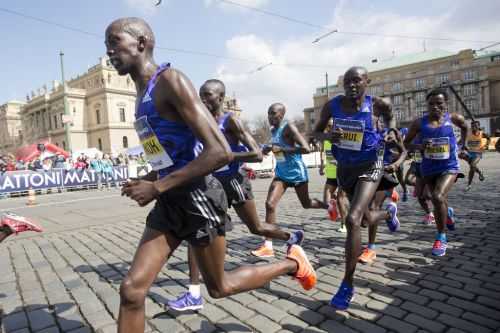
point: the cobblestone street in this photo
(67, 278)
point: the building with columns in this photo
(405, 80)
(10, 126)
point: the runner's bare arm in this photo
(179, 93)
(413, 131)
(459, 121)
(383, 108)
(402, 152)
(321, 124)
(297, 138)
(237, 129)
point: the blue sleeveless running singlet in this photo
(289, 167)
(441, 155)
(168, 145)
(232, 168)
(360, 142)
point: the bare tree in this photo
(261, 130)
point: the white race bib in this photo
(352, 133)
(155, 153)
(439, 149)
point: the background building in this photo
(10, 126)
(407, 79)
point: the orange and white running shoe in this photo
(305, 271)
(367, 256)
(18, 224)
(394, 196)
(263, 252)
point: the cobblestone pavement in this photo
(67, 278)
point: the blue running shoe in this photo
(343, 297)
(392, 221)
(439, 247)
(297, 237)
(186, 302)
(450, 221)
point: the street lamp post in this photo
(67, 122)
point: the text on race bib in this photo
(155, 153)
(438, 149)
(352, 133)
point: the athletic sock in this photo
(195, 290)
(441, 236)
(292, 240)
(268, 244)
(371, 246)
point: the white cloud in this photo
(145, 7)
(229, 6)
(295, 85)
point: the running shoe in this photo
(305, 271)
(343, 297)
(18, 224)
(468, 188)
(297, 238)
(429, 219)
(342, 229)
(332, 210)
(481, 176)
(394, 196)
(367, 256)
(439, 248)
(263, 252)
(186, 302)
(393, 221)
(450, 221)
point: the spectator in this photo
(20, 165)
(47, 164)
(96, 165)
(60, 161)
(107, 169)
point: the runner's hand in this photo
(336, 135)
(276, 149)
(390, 168)
(266, 149)
(141, 191)
(321, 171)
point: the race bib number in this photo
(352, 133)
(439, 149)
(155, 153)
(279, 156)
(474, 145)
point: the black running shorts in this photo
(237, 187)
(195, 212)
(349, 175)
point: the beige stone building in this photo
(407, 79)
(10, 126)
(101, 105)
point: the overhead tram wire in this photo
(178, 50)
(340, 31)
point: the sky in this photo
(231, 43)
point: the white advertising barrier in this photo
(311, 160)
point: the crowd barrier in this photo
(21, 181)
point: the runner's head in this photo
(275, 114)
(129, 42)
(212, 94)
(329, 126)
(355, 82)
(475, 125)
(437, 102)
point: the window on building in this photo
(74, 110)
(472, 105)
(469, 75)
(419, 83)
(55, 121)
(397, 100)
(122, 115)
(398, 113)
(396, 86)
(64, 145)
(125, 142)
(469, 89)
(98, 116)
(420, 97)
(495, 58)
(99, 144)
(455, 63)
(442, 78)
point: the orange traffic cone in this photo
(31, 197)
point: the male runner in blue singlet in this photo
(236, 185)
(358, 149)
(440, 164)
(191, 205)
(288, 145)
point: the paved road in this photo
(67, 278)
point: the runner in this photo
(236, 185)
(394, 156)
(476, 145)
(190, 205)
(328, 166)
(288, 145)
(400, 172)
(440, 158)
(358, 149)
(11, 223)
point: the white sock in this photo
(268, 244)
(293, 238)
(195, 290)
